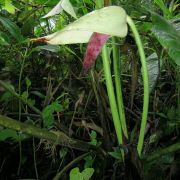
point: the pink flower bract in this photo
(95, 44)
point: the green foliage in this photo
(89, 160)
(8, 6)
(93, 137)
(10, 134)
(86, 174)
(163, 7)
(47, 114)
(51, 80)
(12, 28)
(168, 36)
(116, 154)
(28, 82)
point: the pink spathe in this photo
(95, 44)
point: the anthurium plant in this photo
(95, 28)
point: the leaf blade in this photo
(109, 20)
(12, 28)
(168, 37)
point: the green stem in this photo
(111, 95)
(145, 84)
(116, 66)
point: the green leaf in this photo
(62, 5)
(57, 107)
(48, 118)
(31, 101)
(12, 28)
(93, 137)
(86, 174)
(109, 20)
(116, 155)
(25, 95)
(8, 133)
(47, 114)
(11, 134)
(89, 160)
(99, 4)
(75, 174)
(167, 36)
(9, 6)
(93, 134)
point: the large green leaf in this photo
(109, 20)
(168, 36)
(12, 28)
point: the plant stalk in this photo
(145, 84)
(111, 95)
(116, 66)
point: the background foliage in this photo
(50, 78)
